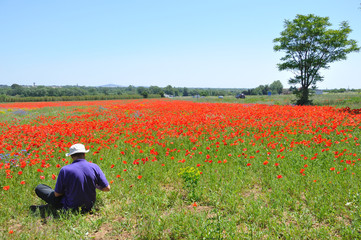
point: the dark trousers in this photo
(47, 194)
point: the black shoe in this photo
(33, 208)
(42, 208)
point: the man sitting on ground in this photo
(76, 184)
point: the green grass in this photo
(347, 99)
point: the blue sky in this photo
(202, 43)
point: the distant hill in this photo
(110, 85)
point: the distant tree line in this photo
(274, 88)
(36, 91)
(19, 93)
(342, 90)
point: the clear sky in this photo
(188, 43)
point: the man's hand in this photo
(106, 189)
(58, 194)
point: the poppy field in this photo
(186, 170)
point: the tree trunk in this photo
(303, 97)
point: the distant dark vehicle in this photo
(240, 95)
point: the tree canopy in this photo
(276, 87)
(310, 46)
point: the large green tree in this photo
(310, 46)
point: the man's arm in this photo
(58, 194)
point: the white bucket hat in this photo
(76, 148)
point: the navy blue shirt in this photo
(78, 182)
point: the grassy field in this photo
(188, 170)
(348, 99)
